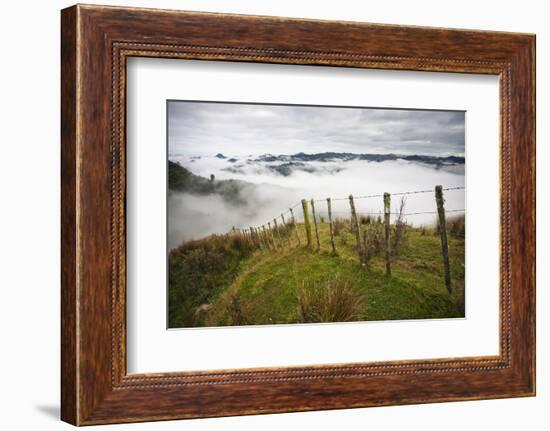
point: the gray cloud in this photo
(241, 129)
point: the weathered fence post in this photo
(294, 224)
(443, 234)
(260, 237)
(254, 242)
(306, 222)
(277, 233)
(315, 224)
(271, 237)
(355, 224)
(387, 200)
(253, 236)
(266, 239)
(330, 226)
(287, 229)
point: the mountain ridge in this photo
(331, 156)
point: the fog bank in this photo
(193, 216)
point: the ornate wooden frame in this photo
(96, 41)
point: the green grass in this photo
(263, 287)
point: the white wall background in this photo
(29, 215)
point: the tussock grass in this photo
(335, 300)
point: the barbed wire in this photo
(381, 212)
(434, 212)
(379, 195)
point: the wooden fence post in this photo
(306, 222)
(443, 235)
(287, 229)
(260, 237)
(315, 224)
(387, 200)
(277, 233)
(355, 224)
(266, 239)
(253, 237)
(271, 236)
(330, 226)
(294, 224)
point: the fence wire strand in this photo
(379, 195)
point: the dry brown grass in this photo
(456, 225)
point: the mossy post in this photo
(307, 224)
(443, 235)
(294, 224)
(330, 228)
(315, 224)
(287, 229)
(355, 225)
(387, 201)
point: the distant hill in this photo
(332, 156)
(286, 164)
(181, 179)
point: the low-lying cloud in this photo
(193, 216)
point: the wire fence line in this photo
(381, 195)
(398, 213)
(371, 238)
(289, 211)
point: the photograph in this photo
(294, 214)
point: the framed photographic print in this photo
(237, 221)
(267, 215)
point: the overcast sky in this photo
(203, 128)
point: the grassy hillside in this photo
(223, 280)
(181, 179)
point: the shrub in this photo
(375, 239)
(334, 301)
(339, 226)
(343, 239)
(365, 219)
